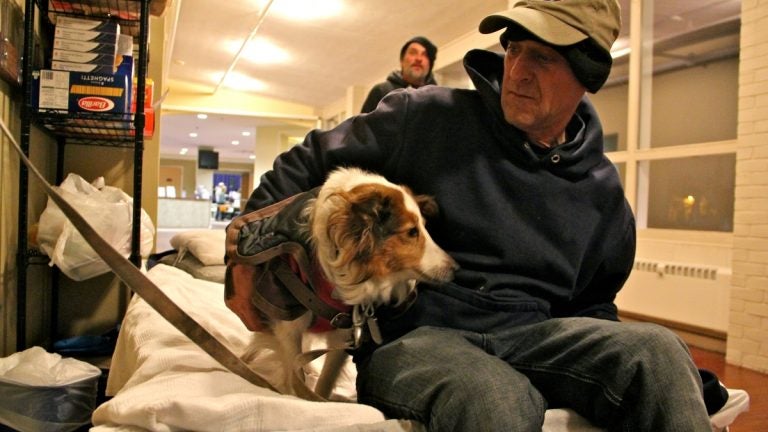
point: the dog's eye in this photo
(413, 232)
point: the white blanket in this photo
(161, 381)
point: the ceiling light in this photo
(246, 133)
(202, 116)
(620, 53)
(239, 81)
(305, 10)
(235, 142)
(183, 151)
(193, 134)
(252, 157)
(260, 51)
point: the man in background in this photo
(417, 57)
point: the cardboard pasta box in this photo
(85, 35)
(84, 46)
(81, 92)
(82, 67)
(149, 88)
(104, 26)
(83, 57)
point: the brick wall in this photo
(748, 325)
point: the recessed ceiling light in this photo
(235, 142)
(246, 133)
(202, 116)
(252, 157)
(183, 151)
(193, 134)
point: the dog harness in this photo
(288, 280)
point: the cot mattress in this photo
(161, 381)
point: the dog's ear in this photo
(427, 205)
(373, 210)
(357, 219)
(371, 217)
(351, 229)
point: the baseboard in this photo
(699, 337)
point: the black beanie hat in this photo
(421, 40)
(589, 62)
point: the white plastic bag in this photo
(40, 391)
(107, 209)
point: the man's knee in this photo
(452, 383)
(655, 341)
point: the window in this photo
(680, 94)
(694, 193)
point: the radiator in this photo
(687, 293)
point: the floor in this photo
(755, 383)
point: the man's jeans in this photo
(620, 376)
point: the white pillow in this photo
(206, 245)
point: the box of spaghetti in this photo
(67, 91)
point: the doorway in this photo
(171, 177)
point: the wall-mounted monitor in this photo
(207, 159)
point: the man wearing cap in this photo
(417, 57)
(535, 215)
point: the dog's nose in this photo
(448, 269)
(452, 264)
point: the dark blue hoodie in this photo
(538, 233)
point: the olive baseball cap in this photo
(562, 22)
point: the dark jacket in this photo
(394, 81)
(538, 233)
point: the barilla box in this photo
(149, 88)
(124, 55)
(85, 47)
(125, 45)
(80, 92)
(84, 35)
(82, 67)
(104, 26)
(125, 68)
(83, 57)
(149, 122)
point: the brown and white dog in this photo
(369, 238)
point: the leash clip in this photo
(358, 321)
(362, 317)
(373, 324)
